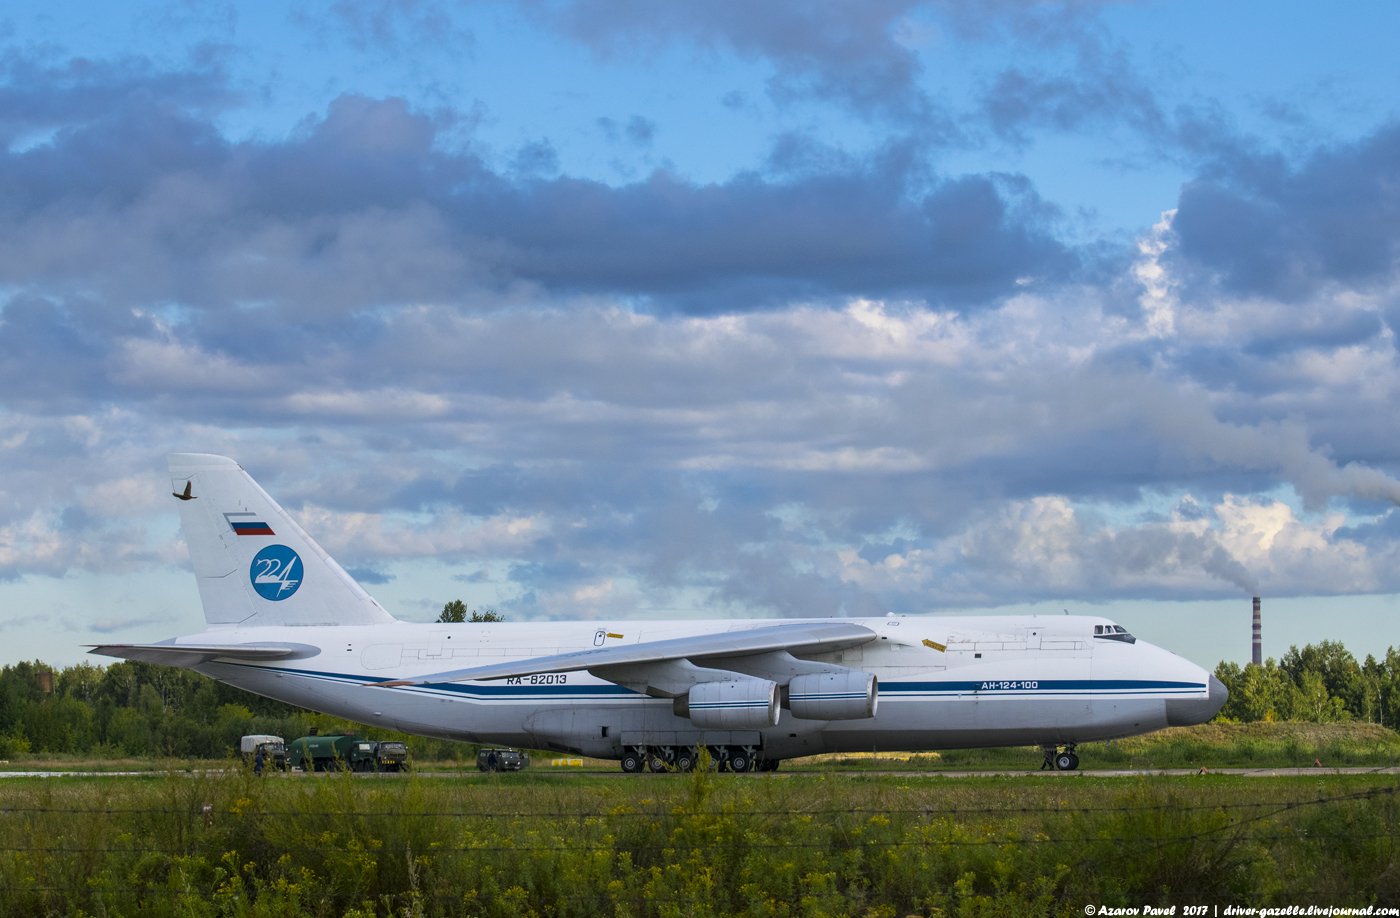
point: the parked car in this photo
(497, 759)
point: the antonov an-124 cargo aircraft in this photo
(284, 620)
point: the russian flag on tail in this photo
(248, 524)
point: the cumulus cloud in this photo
(44, 93)
(758, 460)
(1048, 547)
(851, 54)
(361, 209)
(1102, 89)
(1264, 225)
(447, 535)
(393, 27)
(53, 543)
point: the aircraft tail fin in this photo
(253, 563)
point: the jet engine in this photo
(842, 695)
(744, 704)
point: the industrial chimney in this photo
(1258, 636)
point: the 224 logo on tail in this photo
(276, 572)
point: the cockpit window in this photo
(1113, 633)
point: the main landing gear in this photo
(1057, 760)
(636, 759)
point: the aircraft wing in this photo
(798, 637)
(171, 654)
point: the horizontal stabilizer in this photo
(797, 637)
(194, 654)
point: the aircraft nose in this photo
(1183, 712)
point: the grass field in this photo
(699, 844)
(826, 835)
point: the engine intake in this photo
(844, 695)
(744, 704)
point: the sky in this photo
(576, 309)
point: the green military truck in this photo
(386, 755)
(336, 751)
(274, 751)
(320, 753)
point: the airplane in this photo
(284, 620)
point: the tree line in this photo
(141, 709)
(131, 709)
(1321, 683)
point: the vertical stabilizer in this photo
(254, 565)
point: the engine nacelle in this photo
(744, 704)
(842, 695)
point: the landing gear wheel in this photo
(1059, 760)
(685, 759)
(739, 761)
(631, 763)
(656, 761)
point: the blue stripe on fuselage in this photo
(1043, 687)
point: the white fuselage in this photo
(943, 682)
